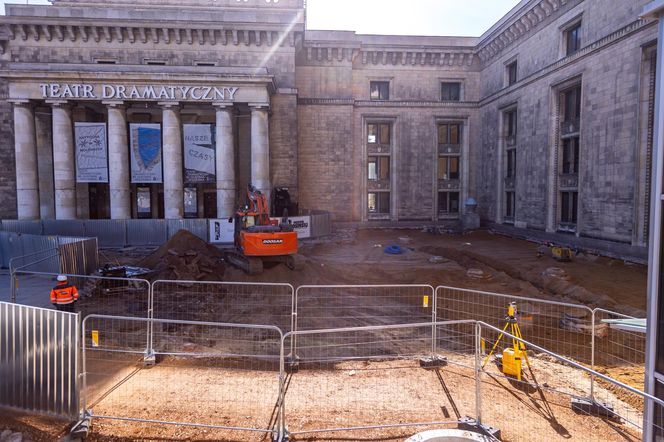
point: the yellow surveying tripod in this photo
(512, 356)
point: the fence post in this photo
(592, 356)
(434, 329)
(149, 358)
(281, 419)
(13, 281)
(478, 373)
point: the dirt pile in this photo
(185, 257)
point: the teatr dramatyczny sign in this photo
(137, 92)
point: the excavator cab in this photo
(259, 239)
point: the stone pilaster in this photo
(43, 119)
(64, 171)
(260, 148)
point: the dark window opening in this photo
(511, 73)
(106, 61)
(572, 104)
(510, 205)
(190, 202)
(569, 206)
(450, 92)
(206, 63)
(573, 39)
(511, 123)
(449, 133)
(448, 168)
(511, 163)
(571, 155)
(144, 202)
(155, 63)
(448, 203)
(378, 133)
(378, 202)
(379, 168)
(380, 90)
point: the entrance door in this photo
(210, 205)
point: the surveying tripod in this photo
(519, 348)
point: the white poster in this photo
(301, 225)
(199, 154)
(221, 231)
(145, 142)
(91, 153)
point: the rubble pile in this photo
(186, 257)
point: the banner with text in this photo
(199, 154)
(91, 153)
(146, 162)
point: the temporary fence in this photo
(212, 375)
(550, 383)
(365, 378)
(229, 302)
(39, 352)
(619, 348)
(97, 294)
(562, 328)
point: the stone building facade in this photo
(545, 120)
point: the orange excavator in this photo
(259, 239)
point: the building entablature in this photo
(170, 34)
(517, 25)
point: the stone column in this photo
(225, 161)
(43, 119)
(64, 171)
(118, 161)
(27, 174)
(260, 149)
(172, 157)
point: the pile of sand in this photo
(185, 257)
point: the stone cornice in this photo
(385, 104)
(517, 27)
(87, 32)
(412, 56)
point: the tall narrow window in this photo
(511, 163)
(448, 168)
(450, 91)
(572, 105)
(510, 206)
(573, 39)
(569, 204)
(511, 73)
(379, 176)
(448, 203)
(571, 155)
(380, 90)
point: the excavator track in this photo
(295, 262)
(249, 265)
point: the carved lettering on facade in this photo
(137, 92)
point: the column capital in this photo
(223, 104)
(58, 103)
(169, 104)
(113, 103)
(259, 106)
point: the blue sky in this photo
(400, 17)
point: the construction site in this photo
(359, 344)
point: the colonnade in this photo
(28, 160)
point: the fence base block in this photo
(593, 408)
(280, 437)
(470, 424)
(81, 428)
(433, 362)
(149, 358)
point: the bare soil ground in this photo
(378, 391)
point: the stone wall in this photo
(8, 171)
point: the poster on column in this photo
(91, 153)
(145, 143)
(199, 153)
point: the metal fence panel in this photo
(20, 226)
(207, 374)
(23, 250)
(372, 378)
(198, 227)
(79, 257)
(565, 329)
(319, 307)
(231, 302)
(39, 360)
(146, 232)
(62, 227)
(109, 233)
